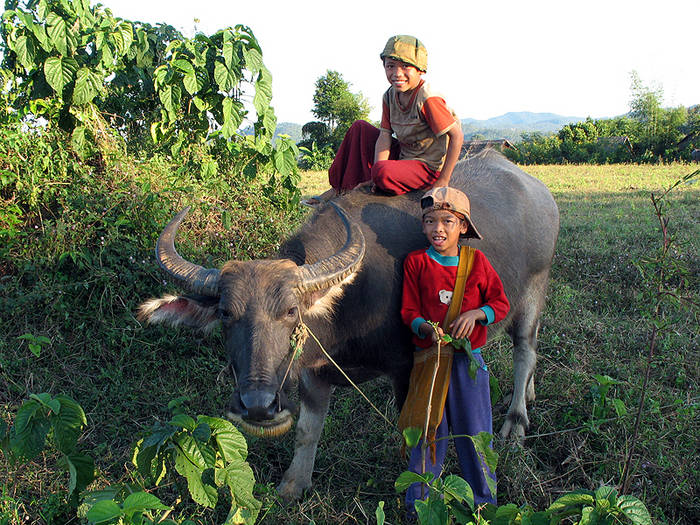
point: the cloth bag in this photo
(415, 407)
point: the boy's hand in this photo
(427, 330)
(464, 324)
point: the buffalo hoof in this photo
(514, 428)
(290, 490)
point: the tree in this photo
(337, 108)
(645, 106)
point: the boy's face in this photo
(443, 228)
(404, 77)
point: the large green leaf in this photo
(572, 499)
(103, 510)
(200, 454)
(253, 59)
(67, 424)
(241, 481)
(285, 161)
(26, 52)
(59, 71)
(196, 81)
(170, 98)
(57, 31)
(183, 421)
(634, 510)
(45, 399)
(456, 488)
(140, 501)
(232, 445)
(233, 116)
(203, 493)
(408, 478)
(87, 85)
(225, 77)
(230, 54)
(42, 37)
(263, 92)
(432, 512)
(184, 66)
(81, 469)
(123, 36)
(28, 435)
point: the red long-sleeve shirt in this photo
(428, 282)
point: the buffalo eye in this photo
(293, 312)
(224, 315)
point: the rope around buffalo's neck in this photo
(301, 333)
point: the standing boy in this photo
(428, 134)
(429, 280)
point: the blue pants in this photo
(467, 411)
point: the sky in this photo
(487, 58)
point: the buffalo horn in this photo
(197, 279)
(334, 269)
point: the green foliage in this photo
(60, 420)
(35, 343)
(451, 498)
(208, 452)
(135, 509)
(315, 158)
(604, 406)
(648, 133)
(89, 64)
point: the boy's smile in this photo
(404, 77)
(443, 229)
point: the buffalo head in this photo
(259, 306)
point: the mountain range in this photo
(508, 126)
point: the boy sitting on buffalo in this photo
(428, 134)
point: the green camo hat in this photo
(407, 49)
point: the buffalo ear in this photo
(322, 303)
(194, 311)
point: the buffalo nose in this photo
(259, 404)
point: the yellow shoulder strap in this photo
(466, 261)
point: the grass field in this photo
(124, 374)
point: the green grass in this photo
(124, 374)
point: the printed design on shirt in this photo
(445, 296)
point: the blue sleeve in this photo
(415, 325)
(490, 315)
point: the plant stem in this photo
(652, 342)
(424, 445)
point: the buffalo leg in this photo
(524, 334)
(315, 397)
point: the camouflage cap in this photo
(407, 49)
(453, 200)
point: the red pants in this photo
(354, 164)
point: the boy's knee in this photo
(382, 175)
(359, 124)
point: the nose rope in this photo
(299, 337)
(296, 346)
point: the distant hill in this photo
(508, 126)
(289, 128)
(511, 125)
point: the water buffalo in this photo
(341, 274)
(695, 155)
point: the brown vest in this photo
(418, 142)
